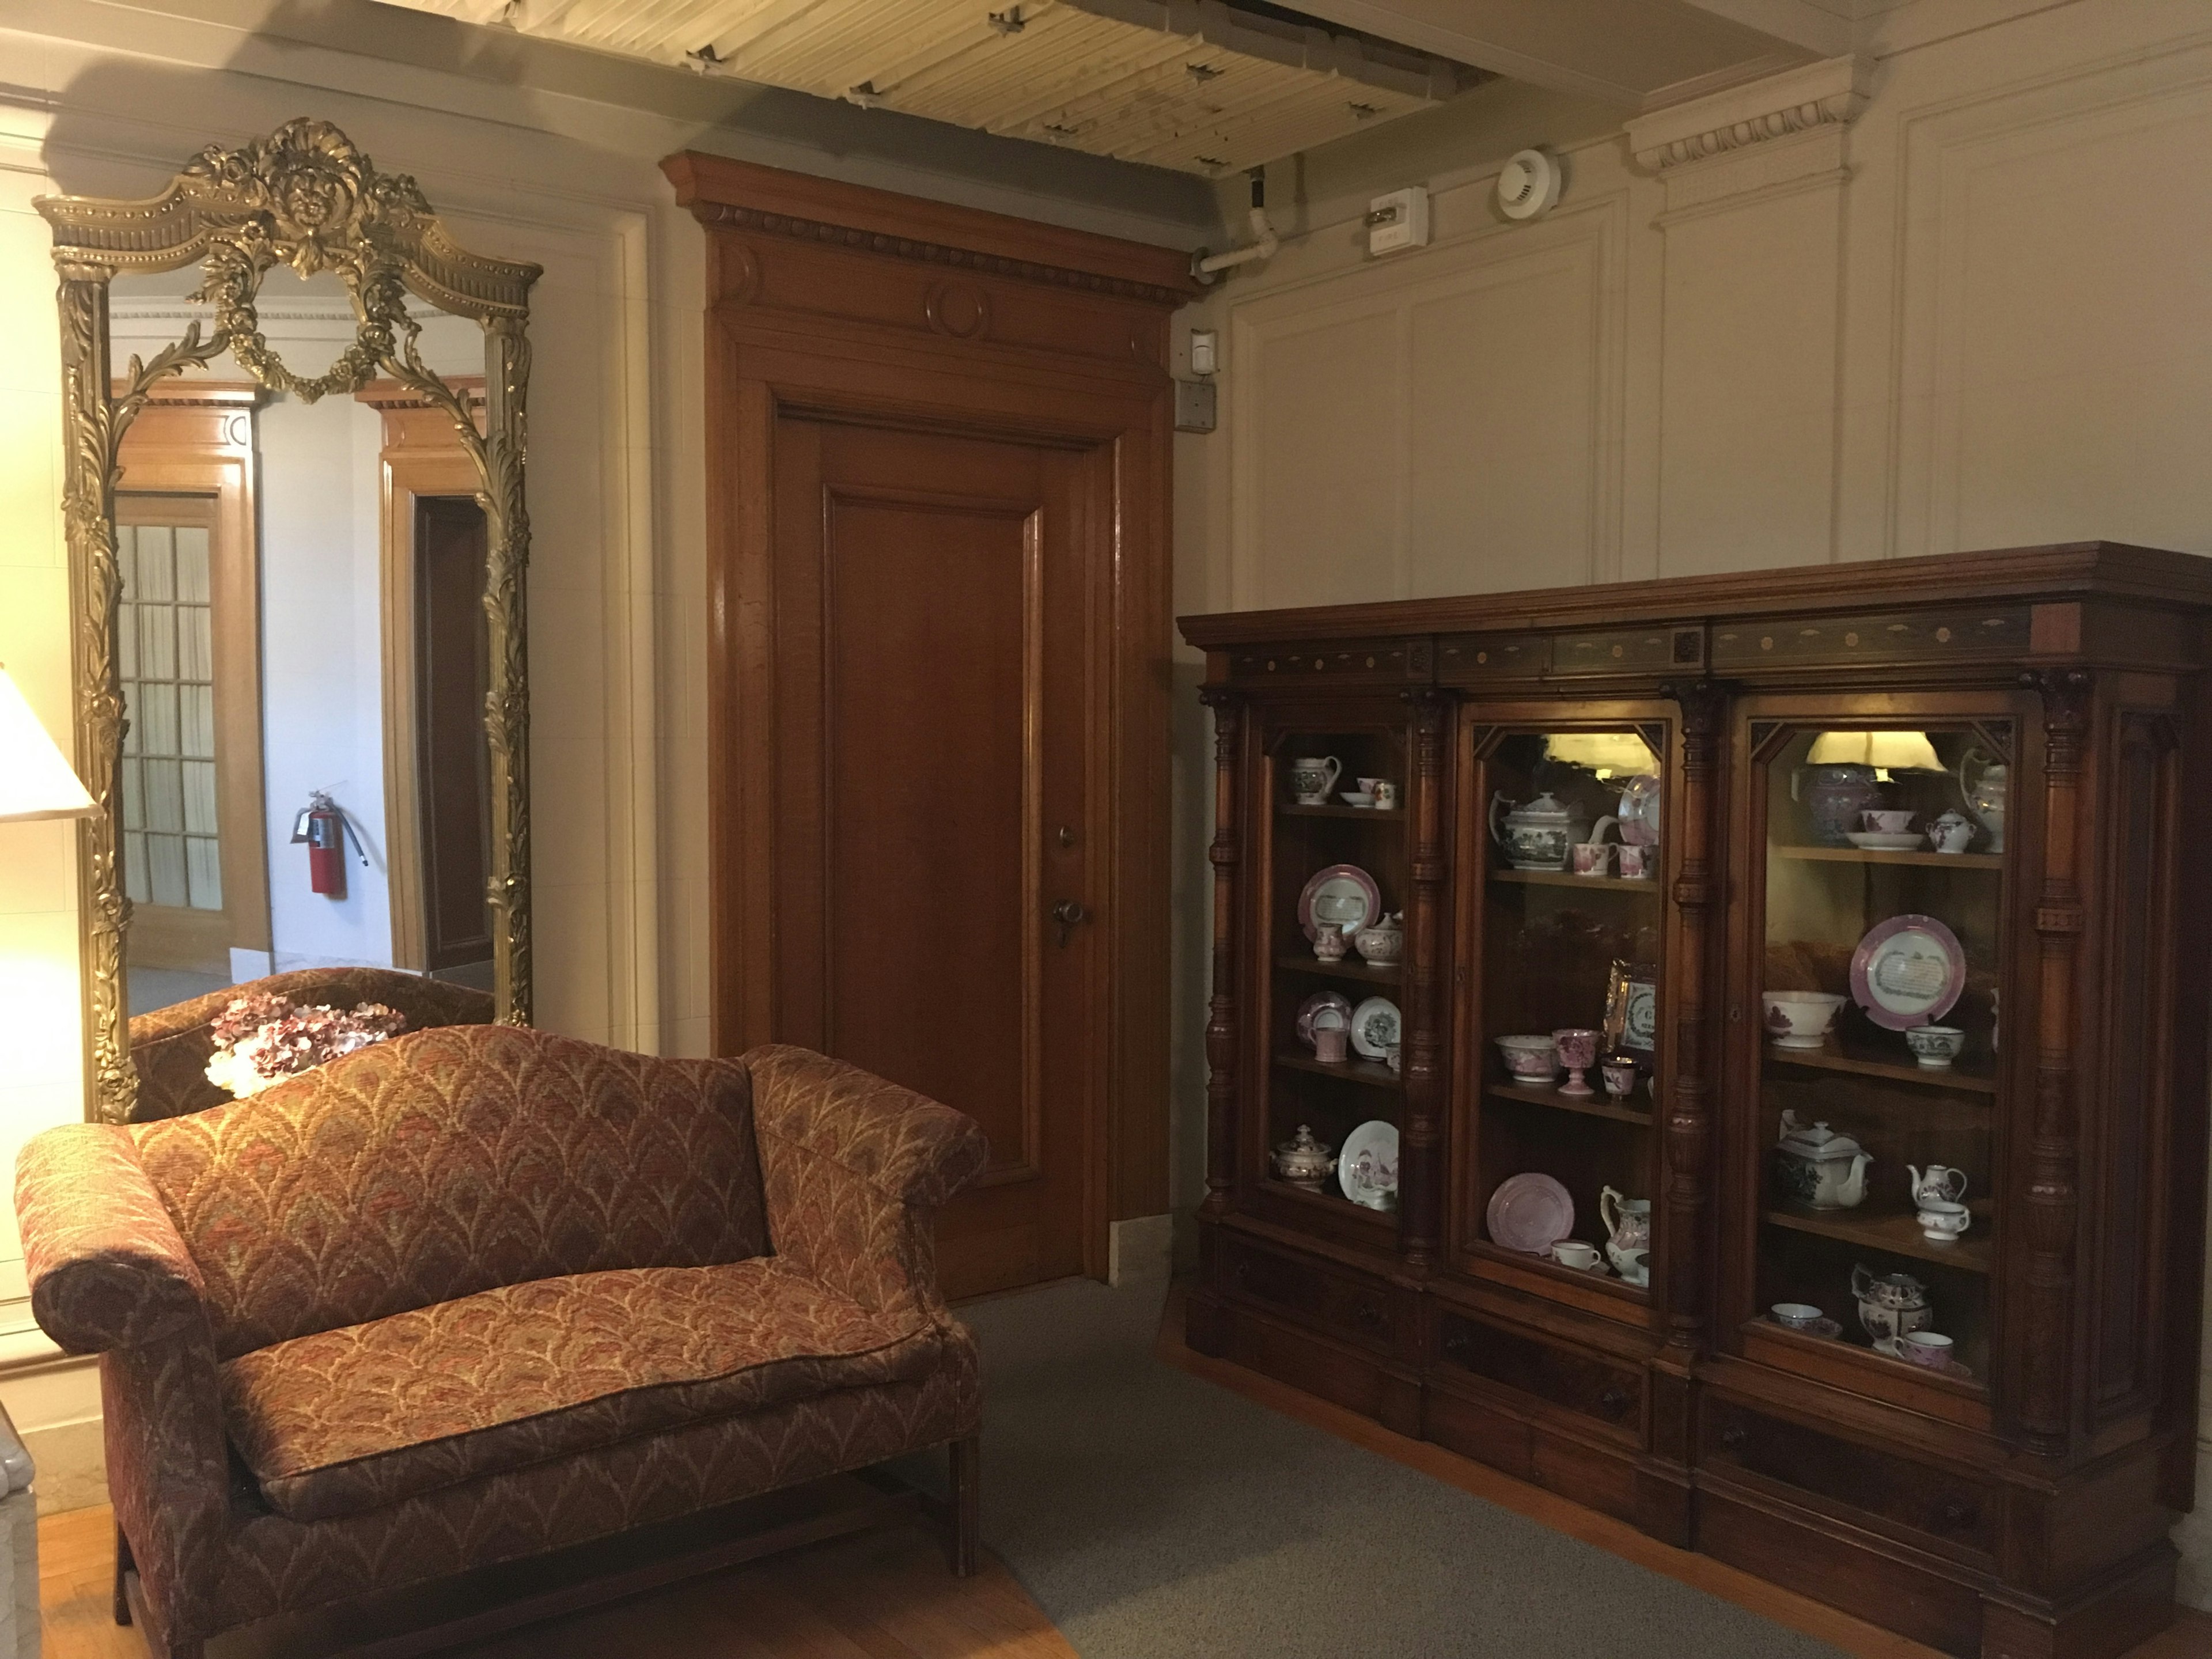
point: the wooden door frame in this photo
(855, 305)
(195, 437)
(422, 455)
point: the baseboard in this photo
(54, 1402)
(71, 1460)
(2193, 1538)
(1140, 1251)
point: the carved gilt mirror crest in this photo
(197, 593)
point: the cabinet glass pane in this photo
(1338, 865)
(1879, 1083)
(1571, 951)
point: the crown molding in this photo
(1830, 92)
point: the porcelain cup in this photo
(1941, 1221)
(1883, 820)
(1927, 1349)
(1796, 1316)
(1329, 1043)
(1531, 1061)
(1620, 1078)
(1573, 1253)
(1935, 1047)
(1312, 777)
(1386, 795)
(1591, 857)
(1636, 863)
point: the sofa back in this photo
(169, 1047)
(452, 1161)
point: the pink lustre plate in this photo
(1343, 893)
(1908, 971)
(1312, 1008)
(1530, 1214)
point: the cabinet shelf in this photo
(1371, 1073)
(1569, 878)
(1589, 1106)
(1868, 855)
(1837, 1060)
(1368, 973)
(1388, 814)
(1898, 1234)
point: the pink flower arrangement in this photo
(267, 1037)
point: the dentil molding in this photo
(1830, 92)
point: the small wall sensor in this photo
(1205, 351)
(1529, 185)
(1400, 220)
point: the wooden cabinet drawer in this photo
(1610, 1393)
(1951, 1513)
(1341, 1303)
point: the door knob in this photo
(1068, 915)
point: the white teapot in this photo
(1985, 794)
(1819, 1167)
(1940, 1184)
(1536, 836)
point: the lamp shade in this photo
(1895, 752)
(35, 781)
(1609, 754)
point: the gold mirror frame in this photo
(305, 197)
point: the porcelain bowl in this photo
(1800, 1019)
(1532, 1060)
(1934, 1046)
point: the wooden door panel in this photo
(922, 579)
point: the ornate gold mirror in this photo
(295, 585)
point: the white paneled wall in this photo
(1954, 293)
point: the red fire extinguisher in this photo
(322, 826)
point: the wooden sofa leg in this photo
(123, 1564)
(965, 1517)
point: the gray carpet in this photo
(1154, 1515)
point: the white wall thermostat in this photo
(1528, 186)
(1400, 220)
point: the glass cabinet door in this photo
(1880, 931)
(1335, 887)
(1564, 841)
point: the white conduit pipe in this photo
(1206, 266)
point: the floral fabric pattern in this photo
(480, 1292)
(350, 1420)
(452, 1161)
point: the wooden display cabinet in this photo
(2012, 1500)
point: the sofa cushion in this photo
(347, 1420)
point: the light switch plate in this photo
(1398, 221)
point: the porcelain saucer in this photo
(1827, 1328)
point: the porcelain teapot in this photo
(1941, 1184)
(1383, 940)
(1891, 1305)
(1819, 1167)
(1985, 792)
(1627, 1220)
(1536, 836)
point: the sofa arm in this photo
(853, 1167)
(107, 1267)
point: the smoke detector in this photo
(1529, 185)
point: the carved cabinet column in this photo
(1419, 1227)
(1221, 1010)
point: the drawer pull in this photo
(1369, 1314)
(1239, 1271)
(1457, 1343)
(1614, 1401)
(1735, 1437)
(1957, 1514)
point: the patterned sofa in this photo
(480, 1292)
(169, 1047)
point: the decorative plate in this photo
(1908, 971)
(1886, 1347)
(1343, 894)
(1375, 1027)
(1313, 1005)
(1530, 1214)
(1874, 841)
(1367, 1165)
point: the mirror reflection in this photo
(302, 642)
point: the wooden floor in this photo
(887, 1594)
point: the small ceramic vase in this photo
(1328, 941)
(1578, 1047)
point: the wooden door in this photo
(944, 938)
(453, 673)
